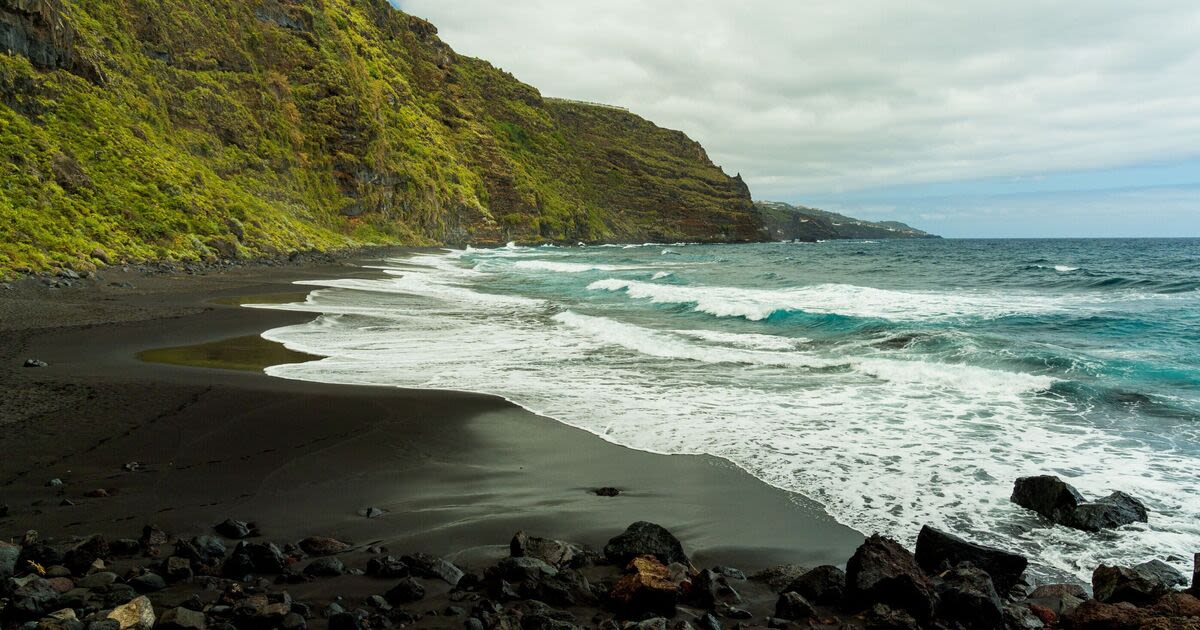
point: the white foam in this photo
(566, 267)
(659, 275)
(1065, 268)
(839, 299)
(885, 441)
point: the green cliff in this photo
(785, 222)
(203, 129)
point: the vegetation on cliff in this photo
(194, 129)
(785, 222)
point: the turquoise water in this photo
(897, 383)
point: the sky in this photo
(965, 118)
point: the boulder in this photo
(1059, 590)
(824, 585)
(235, 529)
(1022, 617)
(138, 614)
(607, 491)
(1061, 503)
(555, 553)
(524, 568)
(1176, 605)
(938, 551)
(427, 566)
(1196, 575)
(709, 589)
(1047, 495)
(323, 546)
(883, 572)
(967, 596)
(181, 619)
(645, 539)
(148, 583)
(1139, 585)
(779, 577)
(325, 567)
(1114, 510)
(404, 592)
(35, 363)
(152, 536)
(8, 559)
(64, 619)
(254, 558)
(792, 606)
(81, 556)
(884, 617)
(389, 567)
(177, 569)
(646, 590)
(32, 597)
(202, 551)
(1097, 615)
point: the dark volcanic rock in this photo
(556, 553)
(181, 619)
(883, 572)
(32, 597)
(884, 617)
(80, 557)
(404, 592)
(1138, 585)
(1047, 495)
(387, 567)
(1097, 615)
(234, 529)
(710, 588)
(607, 491)
(1061, 503)
(1114, 510)
(323, 546)
(9, 554)
(824, 585)
(325, 567)
(643, 538)
(966, 595)
(254, 558)
(794, 607)
(35, 363)
(647, 590)
(428, 566)
(148, 583)
(938, 551)
(524, 568)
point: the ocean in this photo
(897, 383)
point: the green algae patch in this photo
(251, 353)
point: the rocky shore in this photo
(643, 579)
(95, 443)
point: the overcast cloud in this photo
(812, 99)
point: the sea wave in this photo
(833, 299)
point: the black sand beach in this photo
(456, 473)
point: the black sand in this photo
(456, 473)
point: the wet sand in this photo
(456, 473)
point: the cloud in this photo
(815, 98)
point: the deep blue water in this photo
(896, 382)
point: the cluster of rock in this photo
(1061, 503)
(642, 580)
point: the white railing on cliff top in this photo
(589, 103)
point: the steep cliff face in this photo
(191, 129)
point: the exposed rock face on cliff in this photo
(785, 222)
(192, 129)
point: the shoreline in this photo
(467, 457)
